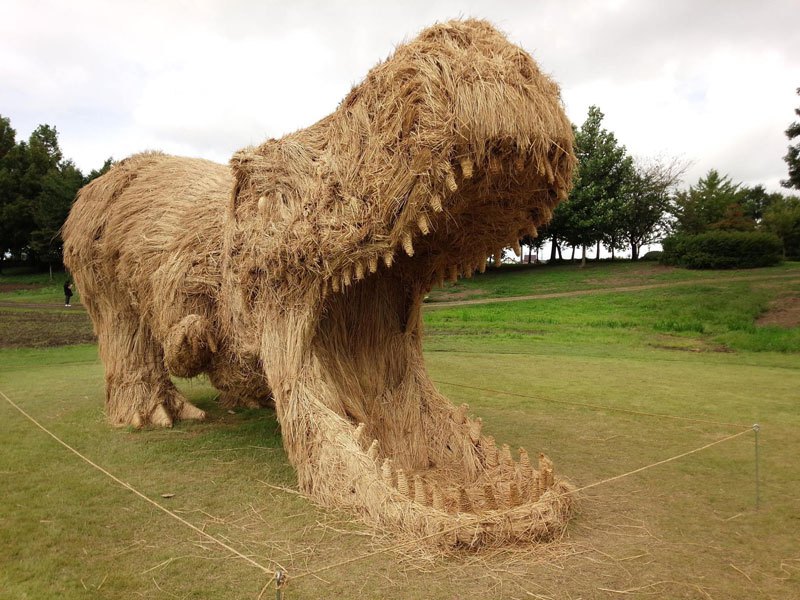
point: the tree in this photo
(792, 157)
(16, 214)
(37, 187)
(754, 201)
(603, 169)
(783, 219)
(713, 203)
(641, 216)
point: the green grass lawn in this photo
(522, 280)
(687, 529)
(20, 285)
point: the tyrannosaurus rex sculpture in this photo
(298, 273)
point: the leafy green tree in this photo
(37, 188)
(642, 213)
(604, 167)
(754, 201)
(783, 219)
(713, 203)
(16, 214)
(95, 173)
(792, 157)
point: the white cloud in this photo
(713, 82)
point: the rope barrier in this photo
(598, 406)
(281, 574)
(580, 489)
(137, 492)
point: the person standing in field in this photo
(67, 293)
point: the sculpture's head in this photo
(454, 147)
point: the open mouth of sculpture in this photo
(371, 431)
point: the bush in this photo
(723, 250)
(653, 255)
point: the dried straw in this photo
(298, 274)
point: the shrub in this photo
(652, 255)
(722, 250)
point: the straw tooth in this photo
(562, 194)
(373, 263)
(347, 276)
(359, 270)
(436, 203)
(358, 434)
(490, 502)
(494, 165)
(466, 167)
(538, 487)
(388, 258)
(482, 265)
(544, 462)
(422, 223)
(516, 248)
(512, 495)
(262, 203)
(498, 257)
(475, 430)
(374, 449)
(464, 504)
(387, 472)
(549, 478)
(549, 171)
(335, 284)
(490, 451)
(460, 415)
(408, 245)
(450, 179)
(519, 163)
(402, 483)
(420, 493)
(525, 467)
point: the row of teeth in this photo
(515, 483)
(360, 268)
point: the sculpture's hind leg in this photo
(139, 391)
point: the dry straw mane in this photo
(297, 276)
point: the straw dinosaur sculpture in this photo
(298, 273)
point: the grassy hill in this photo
(583, 378)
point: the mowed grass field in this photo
(684, 529)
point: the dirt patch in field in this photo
(13, 287)
(783, 312)
(632, 276)
(40, 328)
(459, 295)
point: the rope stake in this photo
(756, 429)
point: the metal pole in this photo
(756, 429)
(280, 580)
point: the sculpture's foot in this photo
(148, 405)
(453, 504)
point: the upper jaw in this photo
(452, 148)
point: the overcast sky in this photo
(712, 82)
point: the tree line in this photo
(617, 201)
(37, 188)
(623, 203)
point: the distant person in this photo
(67, 293)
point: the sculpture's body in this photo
(300, 271)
